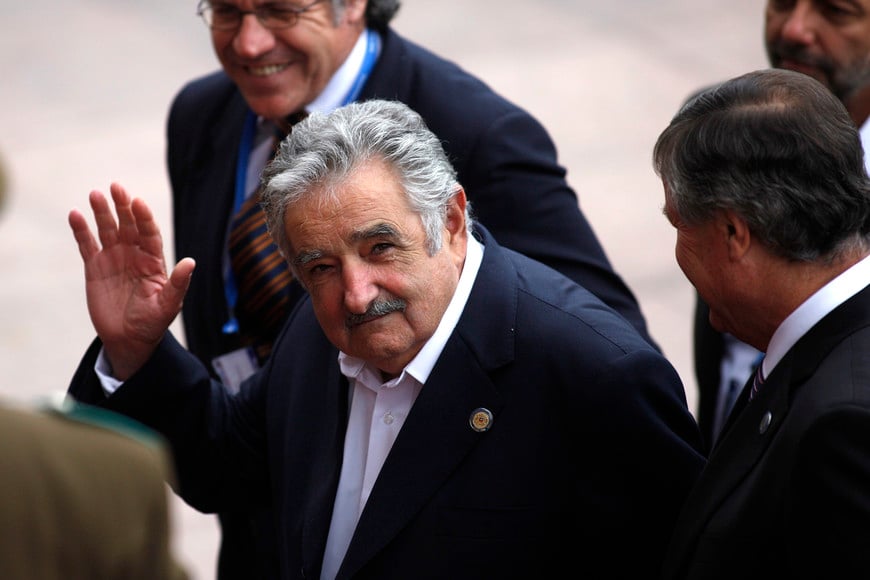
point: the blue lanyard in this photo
(231, 291)
(373, 49)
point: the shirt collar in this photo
(421, 365)
(813, 309)
(338, 87)
(864, 133)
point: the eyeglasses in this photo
(274, 15)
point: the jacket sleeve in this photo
(217, 439)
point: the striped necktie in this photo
(757, 382)
(262, 276)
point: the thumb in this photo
(173, 293)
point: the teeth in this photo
(263, 71)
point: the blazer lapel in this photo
(326, 468)
(748, 434)
(217, 176)
(204, 207)
(391, 78)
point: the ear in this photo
(737, 234)
(354, 11)
(455, 219)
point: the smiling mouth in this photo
(264, 71)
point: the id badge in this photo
(234, 367)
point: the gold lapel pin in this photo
(480, 420)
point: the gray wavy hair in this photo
(324, 150)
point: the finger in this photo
(150, 239)
(107, 229)
(127, 230)
(82, 233)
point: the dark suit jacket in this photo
(786, 491)
(504, 158)
(590, 454)
(81, 501)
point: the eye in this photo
(782, 5)
(839, 10)
(281, 13)
(381, 248)
(318, 269)
(224, 10)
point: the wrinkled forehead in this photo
(369, 194)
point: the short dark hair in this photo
(379, 13)
(780, 149)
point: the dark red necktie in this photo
(757, 382)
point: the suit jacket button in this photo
(765, 423)
(480, 420)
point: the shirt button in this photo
(388, 418)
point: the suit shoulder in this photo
(431, 77)
(85, 480)
(106, 420)
(205, 92)
(47, 437)
(573, 305)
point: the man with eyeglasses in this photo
(282, 59)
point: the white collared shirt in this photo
(864, 133)
(378, 411)
(737, 365)
(339, 86)
(813, 309)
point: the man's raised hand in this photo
(131, 299)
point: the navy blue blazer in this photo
(590, 455)
(504, 158)
(786, 491)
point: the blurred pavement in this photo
(86, 85)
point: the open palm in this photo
(131, 299)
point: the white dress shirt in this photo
(864, 132)
(738, 363)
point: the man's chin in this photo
(806, 69)
(270, 104)
(715, 323)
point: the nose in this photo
(799, 26)
(360, 288)
(252, 38)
